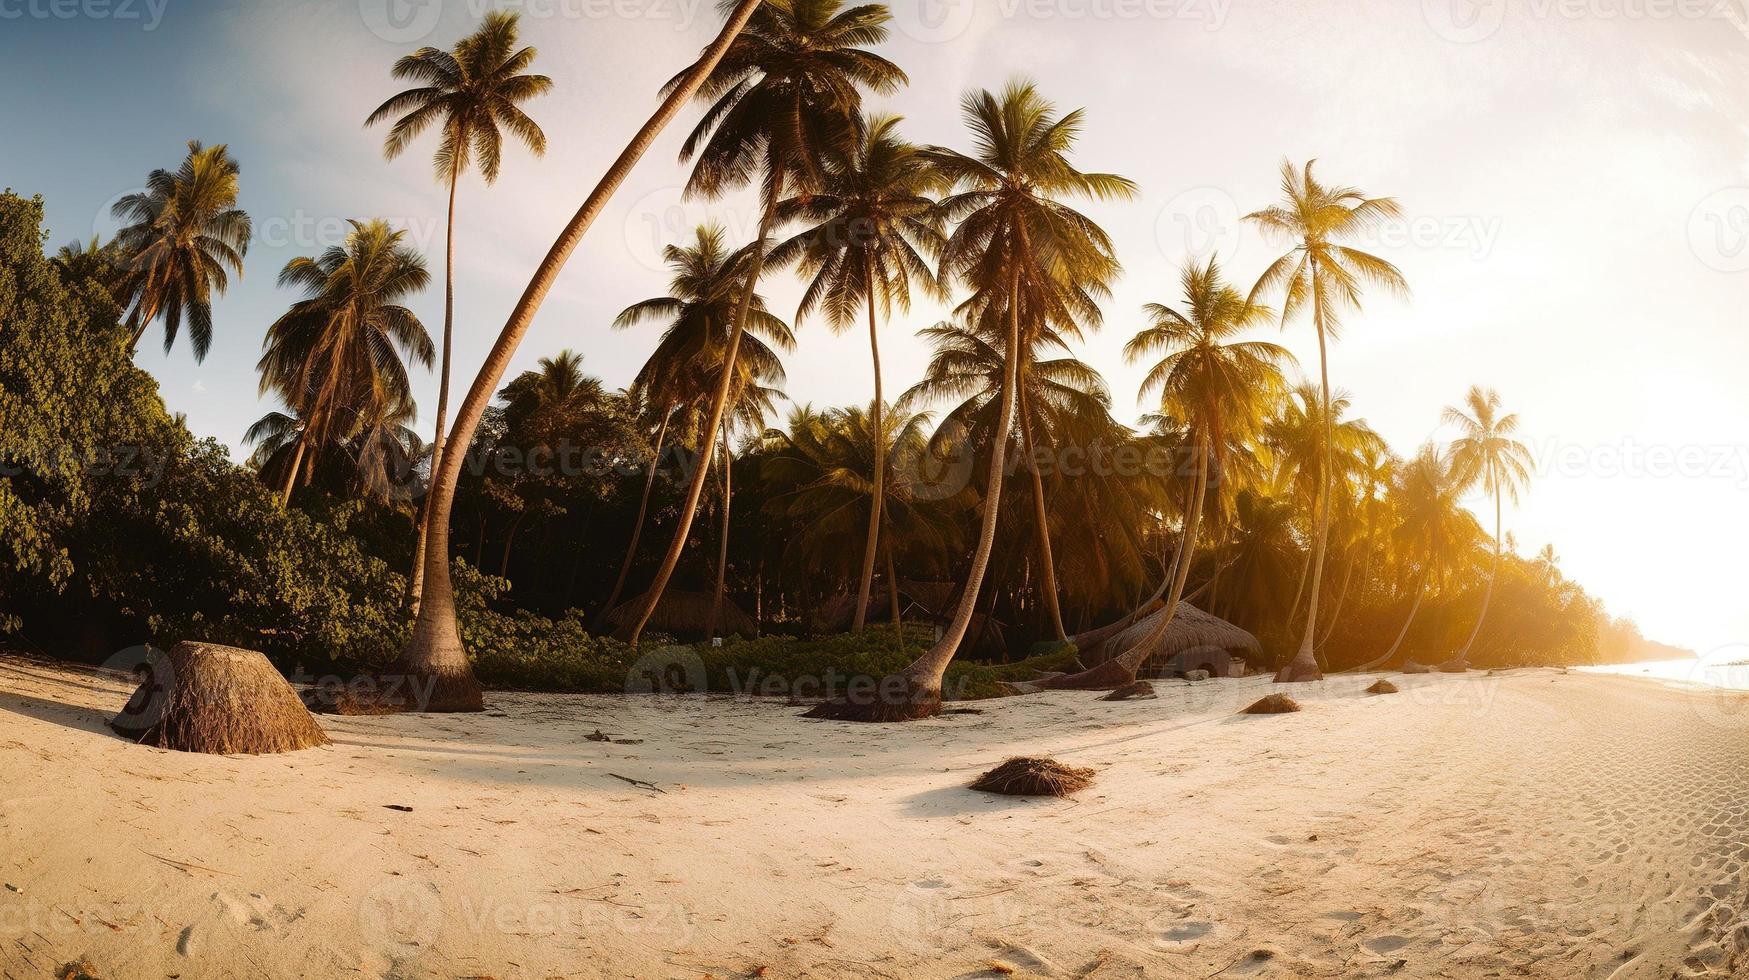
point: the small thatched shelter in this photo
(686, 614)
(1195, 640)
(202, 697)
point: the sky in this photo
(1574, 176)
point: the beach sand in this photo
(1534, 823)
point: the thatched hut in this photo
(1196, 640)
(202, 697)
(686, 614)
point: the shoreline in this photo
(1529, 823)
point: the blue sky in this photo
(1575, 174)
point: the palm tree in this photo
(1485, 454)
(788, 91)
(1218, 385)
(81, 261)
(1368, 506)
(1295, 440)
(1328, 275)
(335, 356)
(873, 223)
(816, 470)
(1025, 254)
(1061, 401)
(434, 665)
(372, 463)
(473, 93)
(1433, 532)
(185, 231)
(542, 407)
(679, 376)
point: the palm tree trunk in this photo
(1121, 669)
(880, 461)
(434, 660)
(916, 691)
(416, 583)
(1047, 563)
(1341, 600)
(1420, 593)
(1305, 663)
(1090, 643)
(510, 539)
(1305, 576)
(710, 627)
(625, 568)
(1463, 656)
(291, 473)
(719, 406)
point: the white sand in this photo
(1531, 824)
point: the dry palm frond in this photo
(1140, 691)
(1023, 776)
(225, 701)
(1382, 686)
(1275, 704)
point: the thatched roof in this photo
(1191, 629)
(684, 613)
(201, 697)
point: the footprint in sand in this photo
(1385, 944)
(1185, 932)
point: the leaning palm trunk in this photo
(1122, 669)
(915, 692)
(291, 473)
(1420, 593)
(1463, 656)
(416, 582)
(1047, 563)
(878, 497)
(719, 406)
(625, 568)
(432, 671)
(1304, 666)
(1336, 610)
